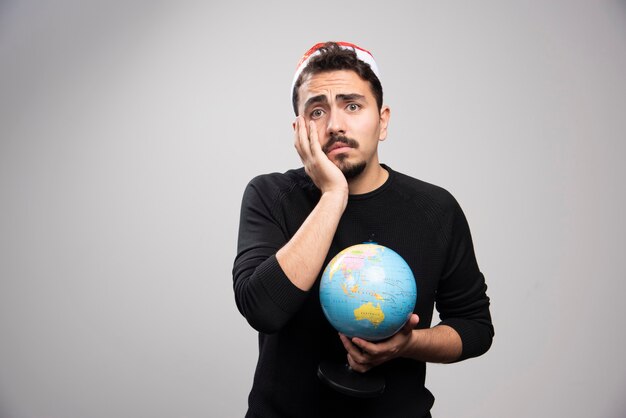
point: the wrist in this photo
(339, 195)
(440, 344)
(408, 351)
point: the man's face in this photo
(346, 115)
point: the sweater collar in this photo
(377, 191)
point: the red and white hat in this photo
(362, 54)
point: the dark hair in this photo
(333, 57)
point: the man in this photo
(292, 224)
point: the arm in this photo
(462, 299)
(440, 344)
(273, 273)
(465, 330)
(303, 256)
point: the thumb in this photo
(411, 323)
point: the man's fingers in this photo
(302, 142)
(353, 350)
(356, 366)
(296, 135)
(365, 346)
(314, 139)
(348, 345)
(411, 323)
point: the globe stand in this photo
(343, 379)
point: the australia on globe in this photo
(368, 291)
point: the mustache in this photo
(339, 138)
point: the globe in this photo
(368, 291)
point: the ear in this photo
(385, 114)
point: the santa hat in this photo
(362, 54)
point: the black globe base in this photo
(343, 379)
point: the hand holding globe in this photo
(364, 355)
(366, 291)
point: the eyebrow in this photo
(321, 98)
(349, 97)
(315, 100)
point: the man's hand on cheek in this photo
(324, 173)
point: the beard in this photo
(349, 170)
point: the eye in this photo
(353, 107)
(317, 113)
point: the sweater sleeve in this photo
(263, 293)
(462, 299)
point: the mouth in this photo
(339, 144)
(338, 147)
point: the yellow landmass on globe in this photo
(345, 290)
(370, 312)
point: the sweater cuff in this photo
(475, 337)
(287, 296)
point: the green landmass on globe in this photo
(368, 291)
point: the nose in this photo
(336, 123)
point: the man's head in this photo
(335, 56)
(340, 93)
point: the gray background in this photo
(129, 131)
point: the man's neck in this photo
(369, 180)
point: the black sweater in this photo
(421, 222)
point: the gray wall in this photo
(128, 133)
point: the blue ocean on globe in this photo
(368, 291)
